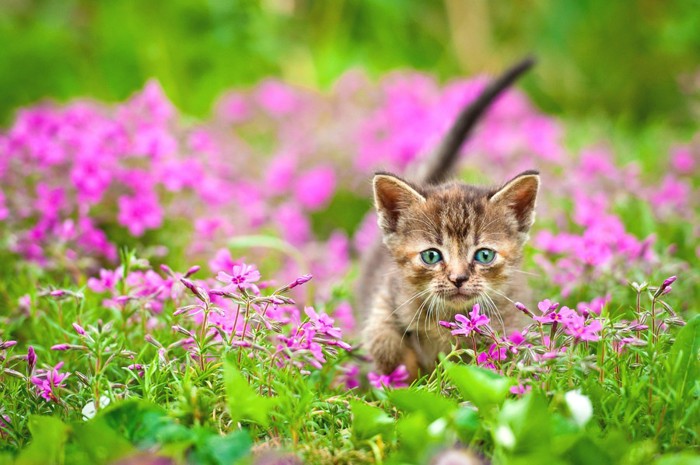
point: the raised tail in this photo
(441, 164)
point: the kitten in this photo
(446, 246)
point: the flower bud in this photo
(524, 309)
(192, 271)
(198, 292)
(31, 359)
(78, 329)
(61, 347)
(7, 344)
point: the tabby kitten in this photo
(446, 246)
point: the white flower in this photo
(505, 437)
(580, 406)
(437, 427)
(89, 410)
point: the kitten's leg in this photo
(387, 342)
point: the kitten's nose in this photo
(459, 279)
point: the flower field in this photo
(183, 289)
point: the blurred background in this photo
(632, 62)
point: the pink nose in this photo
(458, 280)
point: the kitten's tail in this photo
(441, 164)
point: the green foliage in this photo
(684, 365)
(243, 403)
(369, 421)
(197, 49)
(482, 387)
(50, 436)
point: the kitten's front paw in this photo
(387, 361)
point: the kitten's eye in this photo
(484, 256)
(430, 256)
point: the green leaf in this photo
(49, 436)
(684, 458)
(419, 400)
(369, 421)
(466, 423)
(412, 431)
(223, 450)
(524, 425)
(482, 387)
(84, 449)
(244, 403)
(144, 424)
(685, 367)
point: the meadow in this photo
(179, 253)
(184, 288)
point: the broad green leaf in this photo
(49, 436)
(144, 424)
(412, 431)
(223, 450)
(684, 458)
(524, 425)
(369, 421)
(685, 367)
(466, 423)
(482, 387)
(433, 406)
(84, 449)
(244, 403)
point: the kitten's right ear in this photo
(391, 196)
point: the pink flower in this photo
(344, 315)
(551, 315)
(292, 223)
(107, 281)
(140, 213)
(322, 323)
(465, 325)
(682, 159)
(48, 382)
(396, 378)
(277, 98)
(222, 261)
(233, 108)
(595, 306)
(280, 173)
(494, 354)
(243, 277)
(575, 325)
(520, 389)
(4, 211)
(672, 194)
(350, 376)
(315, 187)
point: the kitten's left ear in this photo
(520, 194)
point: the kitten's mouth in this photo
(458, 295)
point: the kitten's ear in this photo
(391, 196)
(520, 194)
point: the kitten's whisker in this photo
(415, 296)
(497, 314)
(538, 275)
(500, 294)
(417, 314)
(431, 301)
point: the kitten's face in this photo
(459, 243)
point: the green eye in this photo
(484, 256)
(430, 256)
